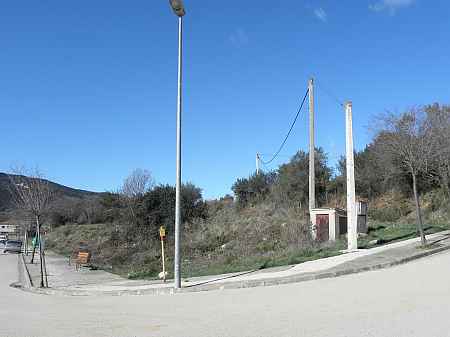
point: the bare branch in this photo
(31, 192)
(137, 184)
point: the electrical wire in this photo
(329, 94)
(268, 169)
(289, 132)
(281, 155)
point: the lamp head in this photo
(178, 7)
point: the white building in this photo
(7, 229)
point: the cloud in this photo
(320, 14)
(239, 38)
(392, 6)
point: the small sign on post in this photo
(162, 235)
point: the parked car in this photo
(2, 244)
(13, 246)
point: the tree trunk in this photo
(418, 212)
(40, 251)
(34, 247)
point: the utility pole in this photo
(178, 8)
(352, 223)
(312, 178)
(257, 163)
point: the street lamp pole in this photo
(178, 8)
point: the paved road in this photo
(409, 300)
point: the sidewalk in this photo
(64, 280)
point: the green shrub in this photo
(388, 214)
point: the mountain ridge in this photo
(62, 190)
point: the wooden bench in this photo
(81, 258)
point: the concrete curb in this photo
(238, 284)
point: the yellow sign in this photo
(162, 232)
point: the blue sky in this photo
(88, 88)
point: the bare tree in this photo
(137, 184)
(133, 189)
(33, 194)
(408, 141)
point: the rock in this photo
(163, 275)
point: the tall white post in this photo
(177, 262)
(312, 178)
(257, 163)
(352, 224)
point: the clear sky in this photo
(88, 88)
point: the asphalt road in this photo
(409, 300)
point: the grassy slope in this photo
(258, 237)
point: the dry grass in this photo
(229, 241)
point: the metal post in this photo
(45, 268)
(352, 230)
(312, 178)
(25, 243)
(163, 260)
(177, 271)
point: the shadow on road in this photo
(220, 279)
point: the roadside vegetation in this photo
(265, 223)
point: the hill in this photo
(61, 190)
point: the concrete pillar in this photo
(312, 178)
(257, 163)
(332, 226)
(352, 223)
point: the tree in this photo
(407, 141)
(134, 187)
(137, 184)
(439, 117)
(293, 178)
(33, 194)
(373, 176)
(159, 207)
(253, 189)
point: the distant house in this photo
(7, 228)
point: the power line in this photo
(266, 167)
(289, 132)
(329, 94)
(280, 155)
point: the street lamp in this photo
(178, 8)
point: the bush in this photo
(388, 214)
(158, 206)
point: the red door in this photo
(322, 224)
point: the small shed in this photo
(329, 223)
